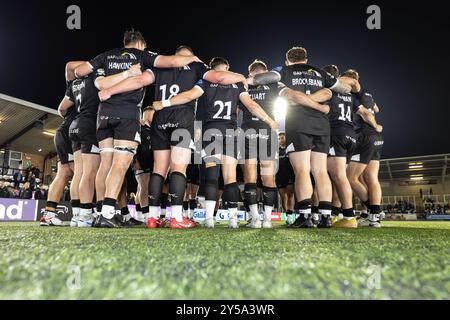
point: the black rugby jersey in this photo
(342, 108)
(220, 103)
(306, 79)
(265, 96)
(171, 82)
(84, 94)
(366, 99)
(124, 105)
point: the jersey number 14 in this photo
(345, 114)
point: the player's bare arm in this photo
(257, 111)
(341, 87)
(304, 100)
(83, 70)
(64, 105)
(70, 69)
(130, 84)
(264, 78)
(103, 83)
(179, 99)
(176, 61)
(353, 83)
(223, 77)
(369, 118)
(321, 96)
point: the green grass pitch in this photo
(403, 260)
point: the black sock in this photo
(51, 206)
(375, 209)
(75, 203)
(231, 195)
(99, 206)
(164, 201)
(348, 213)
(325, 208)
(304, 207)
(124, 211)
(193, 204)
(185, 205)
(211, 182)
(250, 194)
(138, 208)
(145, 210)
(315, 209)
(155, 190)
(335, 211)
(177, 188)
(269, 196)
(109, 202)
(85, 205)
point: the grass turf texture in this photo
(47, 263)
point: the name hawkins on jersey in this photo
(120, 65)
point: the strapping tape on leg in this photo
(106, 150)
(124, 149)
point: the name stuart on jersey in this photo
(260, 96)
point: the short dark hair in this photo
(217, 61)
(332, 69)
(351, 73)
(257, 65)
(133, 36)
(296, 54)
(184, 47)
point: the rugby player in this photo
(307, 129)
(173, 133)
(84, 95)
(365, 163)
(63, 147)
(261, 146)
(285, 180)
(221, 101)
(342, 146)
(118, 125)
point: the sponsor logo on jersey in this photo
(129, 55)
(378, 143)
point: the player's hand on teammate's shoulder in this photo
(196, 59)
(104, 95)
(250, 81)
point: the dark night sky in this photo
(405, 65)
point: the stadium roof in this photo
(27, 127)
(415, 169)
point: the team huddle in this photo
(189, 136)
